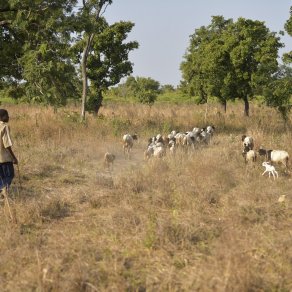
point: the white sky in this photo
(163, 27)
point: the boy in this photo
(7, 157)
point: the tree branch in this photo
(105, 9)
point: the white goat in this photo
(172, 134)
(197, 130)
(210, 130)
(109, 159)
(249, 156)
(128, 142)
(179, 138)
(270, 169)
(156, 150)
(276, 156)
(159, 150)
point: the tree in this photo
(45, 43)
(192, 66)
(217, 65)
(11, 42)
(90, 16)
(288, 27)
(167, 88)
(103, 51)
(230, 59)
(39, 57)
(253, 51)
(108, 62)
(279, 91)
(207, 67)
(145, 89)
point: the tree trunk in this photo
(206, 113)
(98, 104)
(224, 105)
(84, 76)
(84, 85)
(246, 106)
(84, 60)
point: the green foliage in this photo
(14, 91)
(167, 88)
(39, 56)
(207, 70)
(288, 24)
(108, 61)
(288, 27)
(145, 89)
(229, 59)
(278, 94)
(175, 96)
(42, 43)
(119, 126)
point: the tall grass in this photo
(197, 221)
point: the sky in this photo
(163, 27)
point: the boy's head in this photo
(4, 117)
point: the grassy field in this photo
(199, 221)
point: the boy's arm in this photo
(7, 144)
(15, 161)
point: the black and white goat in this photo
(247, 143)
(276, 156)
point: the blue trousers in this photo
(6, 174)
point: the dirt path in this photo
(123, 163)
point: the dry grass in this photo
(198, 221)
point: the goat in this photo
(205, 136)
(189, 139)
(197, 130)
(247, 143)
(250, 155)
(155, 150)
(210, 129)
(275, 156)
(158, 138)
(159, 150)
(270, 169)
(148, 152)
(109, 159)
(172, 134)
(179, 138)
(172, 147)
(128, 142)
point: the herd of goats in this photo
(272, 156)
(159, 145)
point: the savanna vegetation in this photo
(198, 221)
(202, 220)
